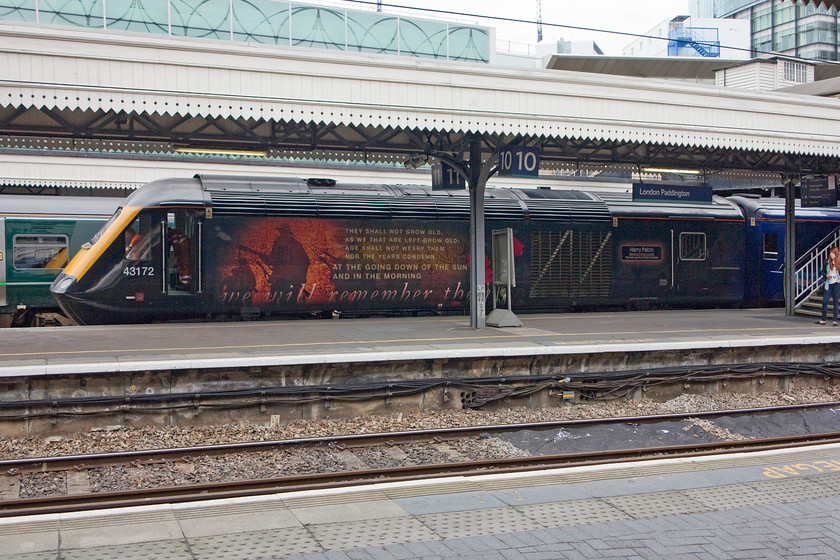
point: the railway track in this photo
(348, 460)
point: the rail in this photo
(355, 475)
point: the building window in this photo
(795, 72)
(762, 19)
(762, 44)
(784, 40)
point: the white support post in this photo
(790, 246)
(476, 185)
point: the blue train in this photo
(764, 242)
(222, 246)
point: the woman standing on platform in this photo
(832, 284)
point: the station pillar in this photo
(476, 185)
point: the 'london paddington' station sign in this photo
(645, 192)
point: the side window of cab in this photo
(138, 238)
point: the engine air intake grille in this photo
(569, 263)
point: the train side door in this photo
(182, 252)
(772, 265)
(688, 263)
(3, 257)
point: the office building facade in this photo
(274, 22)
(780, 26)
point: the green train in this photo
(38, 236)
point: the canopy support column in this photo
(476, 183)
(790, 245)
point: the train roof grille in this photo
(503, 209)
(577, 210)
(331, 206)
(348, 205)
(452, 208)
(564, 194)
(415, 208)
(235, 183)
(266, 204)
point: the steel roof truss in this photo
(364, 141)
(150, 125)
(248, 132)
(65, 124)
(6, 121)
(383, 136)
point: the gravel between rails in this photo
(331, 457)
(123, 439)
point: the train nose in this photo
(61, 289)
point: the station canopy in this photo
(104, 94)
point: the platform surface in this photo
(776, 505)
(198, 345)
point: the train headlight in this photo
(64, 284)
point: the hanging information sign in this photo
(445, 178)
(819, 191)
(649, 192)
(519, 161)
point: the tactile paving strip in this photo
(163, 550)
(789, 490)
(29, 539)
(31, 556)
(372, 532)
(334, 499)
(511, 483)
(830, 482)
(24, 528)
(230, 509)
(111, 522)
(257, 544)
(574, 512)
(733, 496)
(476, 523)
(658, 504)
(436, 489)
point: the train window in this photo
(40, 251)
(101, 231)
(138, 239)
(771, 246)
(179, 226)
(692, 246)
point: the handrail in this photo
(822, 243)
(690, 37)
(808, 273)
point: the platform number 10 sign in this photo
(519, 161)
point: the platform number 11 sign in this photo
(445, 178)
(519, 161)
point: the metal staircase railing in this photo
(808, 270)
(703, 40)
